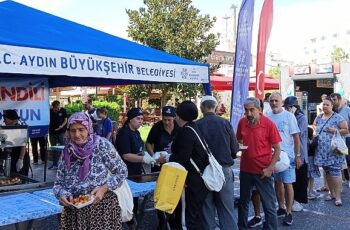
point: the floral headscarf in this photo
(72, 151)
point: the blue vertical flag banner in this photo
(241, 71)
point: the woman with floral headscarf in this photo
(89, 165)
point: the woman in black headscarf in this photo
(186, 146)
(129, 144)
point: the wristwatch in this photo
(298, 155)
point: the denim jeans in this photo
(223, 203)
(56, 139)
(267, 193)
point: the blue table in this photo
(141, 189)
(30, 206)
(25, 206)
(137, 190)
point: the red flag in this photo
(265, 25)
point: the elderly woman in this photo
(89, 165)
(185, 146)
(326, 124)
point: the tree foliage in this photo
(176, 27)
(339, 55)
(275, 72)
(136, 92)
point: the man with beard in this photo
(260, 136)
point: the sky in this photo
(294, 22)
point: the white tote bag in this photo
(212, 175)
(283, 163)
(125, 200)
(338, 144)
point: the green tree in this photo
(275, 72)
(136, 92)
(339, 55)
(176, 27)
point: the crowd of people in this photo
(98, 157)
(95, 162)
(284, 128)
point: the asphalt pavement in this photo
(317, 214)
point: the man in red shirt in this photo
(260, 135)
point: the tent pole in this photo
(58, 93)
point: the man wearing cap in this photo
(160, 138)
(221, 139)
(162, 134)
(20, 160)
(300, 185)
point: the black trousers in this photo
(42, 144)
(173, 219)
(300, 185)
(192, 210)
(189, 207)
(135, 200)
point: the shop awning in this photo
(222, 82)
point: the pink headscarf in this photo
(72, 151)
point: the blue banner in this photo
(30, 98)
(241, 71)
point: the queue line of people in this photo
(283, 129)
(182, 146)
(306, 166)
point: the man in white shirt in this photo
(288, 129)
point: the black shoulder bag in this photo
(314, 142)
